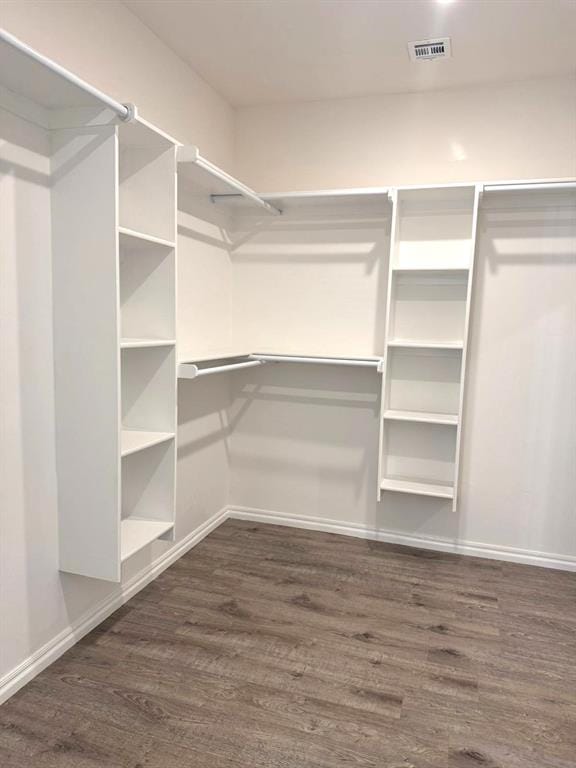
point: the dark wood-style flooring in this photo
(270, 647)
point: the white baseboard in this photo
(34, 664)
(43, 657)
(470, 548)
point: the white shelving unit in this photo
(114, 224)
(428, 309)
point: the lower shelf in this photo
(418, 487)
(133, 440)
(136, 534)
(422, 416)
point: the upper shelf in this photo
(28, 77)
(215, 182)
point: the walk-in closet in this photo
(288, 373)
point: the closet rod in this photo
(191, 371)
(243, 190)
(363, 362)
(126, 112)
(550, 185)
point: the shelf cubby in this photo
(147, 289)
(429, 306)
(434, 228)
(423, 380)
(421, 452)
(149, 389)
(147, 193)
(147, 497)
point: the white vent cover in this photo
(438, 48)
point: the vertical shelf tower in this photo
(114, 238)
(428, 309)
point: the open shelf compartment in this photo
(147, 290)
(147, 497)
(147, 181)
(149, 389)
(419, 458)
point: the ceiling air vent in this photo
(430, 49)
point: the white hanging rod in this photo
(364, 362)
(126, 112)
(191, 371)
(191, 155)
(549, 185)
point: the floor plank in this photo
(271, 647)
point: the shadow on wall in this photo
(305, 442)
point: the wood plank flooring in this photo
(270, 647)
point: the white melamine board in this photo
(133, 440)
(422, 380)
(422, 416)
(434, 228)
(149, 389)
(425, 344)
(136, 534)
(131, 239)
(147, 183)
(135, 343)
(418, 487)
(311, 280)
(428, 306)
(147, 290)
(422, 451)
(86, 349)
(466, 338)
(148, 483)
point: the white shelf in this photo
(419, 269)
(136, 534)
(136, 343)
(133, 440)
(418, 487)
(216, 183)
(130, 238)
(204, 358)
(414, 344)
(422, 417)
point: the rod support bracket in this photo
(131, 113)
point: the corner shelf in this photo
(133, 440)
(138, 343)
(418, 487)
(421, 417)
(135, 534)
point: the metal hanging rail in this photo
(192, 371)
(363, 362)
(232, 187)
(518, 186)
(125, 112)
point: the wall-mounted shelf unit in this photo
(428, 309)
(114, 224)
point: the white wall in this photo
(305, 439)
(42, 608)
(107, 45)
(516, 131)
